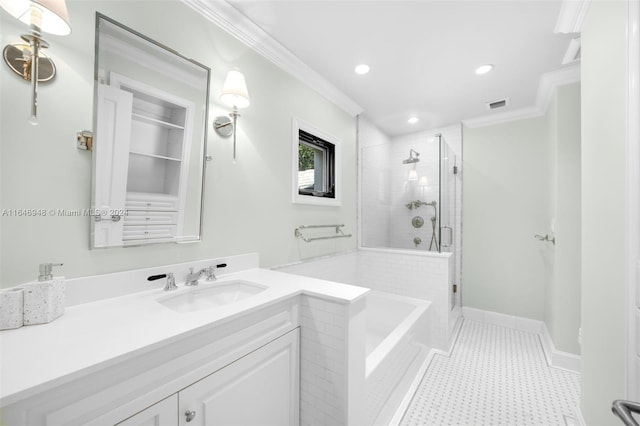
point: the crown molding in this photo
(239, 26)
(573, 51)
(571, 16)
(547, 85)
(502, 117)
(550, 81)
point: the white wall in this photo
(604, 103)
(505, 198)
(375, 192)
(522, 178)
(247, 205)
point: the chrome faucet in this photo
(171, 281)
(210, 273)
(193, 277)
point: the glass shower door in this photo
(448, 210)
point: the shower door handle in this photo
(450, 237)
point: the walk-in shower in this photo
(411, 203)
(400, 195)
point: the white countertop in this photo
(93, 335)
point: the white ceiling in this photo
(422, 53)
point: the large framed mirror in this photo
(150, 115)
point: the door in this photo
(261, 388)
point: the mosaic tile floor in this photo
(494, 376)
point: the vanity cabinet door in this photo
(261, 388)
(162, 413)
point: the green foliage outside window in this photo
(306, 157)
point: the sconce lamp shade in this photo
(50, 16)
(234, 92)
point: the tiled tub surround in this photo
(109, 358)
(420, 275)
(397, 343)
(406, 316)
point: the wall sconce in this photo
(27, 60)
(235, 95)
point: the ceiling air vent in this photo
(500, 103)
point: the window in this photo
(315, 173)
(316, 176)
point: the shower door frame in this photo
(444, 167)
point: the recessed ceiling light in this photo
(413, 120)
(362, 69)
(483, 69)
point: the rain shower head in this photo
(411, 158)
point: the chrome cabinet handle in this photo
(190, 415)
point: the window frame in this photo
(325, 197)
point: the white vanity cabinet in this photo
(260, 388)
(243, 370)
(159, 414)
(145, 151)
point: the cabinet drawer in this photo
(139, 217)
(148, 232)
(144, 201)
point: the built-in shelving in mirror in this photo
(149, 150)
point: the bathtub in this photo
(415, 274)
(396, 344)
(400, 329)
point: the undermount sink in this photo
(211, 296)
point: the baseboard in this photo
(555, 358)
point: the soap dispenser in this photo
(44, 299)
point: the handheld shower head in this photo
(411, 158)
